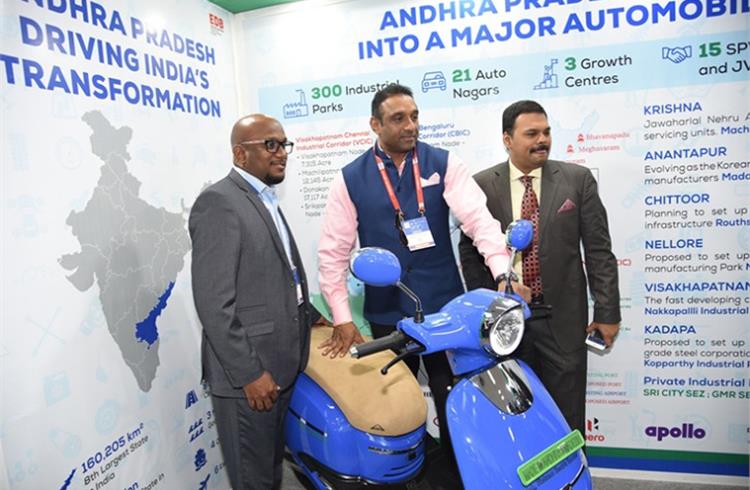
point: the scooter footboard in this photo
(500, 419)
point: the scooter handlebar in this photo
(395, 340)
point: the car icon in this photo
(432, 80)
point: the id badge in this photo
(298, 286)
(418, 234)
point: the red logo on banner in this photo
(217, 23)
(592, 431)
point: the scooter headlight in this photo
(503, 326)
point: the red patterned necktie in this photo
(530, 262)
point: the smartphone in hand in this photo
(595, 340)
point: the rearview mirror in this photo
(375, 266)
(519, 234)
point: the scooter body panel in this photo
(490, 444)
(455, 330)
(317, 428)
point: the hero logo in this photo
(593, 426)
(686, 431)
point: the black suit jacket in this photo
(244, 291)
(561, 234)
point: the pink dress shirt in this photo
(339, 233)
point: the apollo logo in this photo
(685, 431)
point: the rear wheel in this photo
(293, 471)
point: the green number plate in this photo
(547, 459)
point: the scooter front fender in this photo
(496, 424)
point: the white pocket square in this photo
(433, 180)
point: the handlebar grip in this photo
(394, 340)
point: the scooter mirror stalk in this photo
(379, 267)
(518, 236)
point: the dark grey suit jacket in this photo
(244, 291)
(561, 234)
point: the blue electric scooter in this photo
(505, 428)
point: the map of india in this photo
(132, 249)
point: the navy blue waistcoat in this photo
(432, 273)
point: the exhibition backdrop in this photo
(116, 113)
(651, 95)
(114, 116)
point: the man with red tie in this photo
(561, 200)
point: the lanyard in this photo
(389, 187)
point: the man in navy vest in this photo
(398, 195)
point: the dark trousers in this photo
(562, 373)
(440, 380)
(252, 443)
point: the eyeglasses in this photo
(272, 146)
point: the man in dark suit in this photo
(568, 214)
(250, 293)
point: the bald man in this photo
(251, 296)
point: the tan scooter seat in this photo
(390, 405)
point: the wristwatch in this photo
(504, 277)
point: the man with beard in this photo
(250, 293)
(398, 195)
(561, 200)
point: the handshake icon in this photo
(678, 54)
